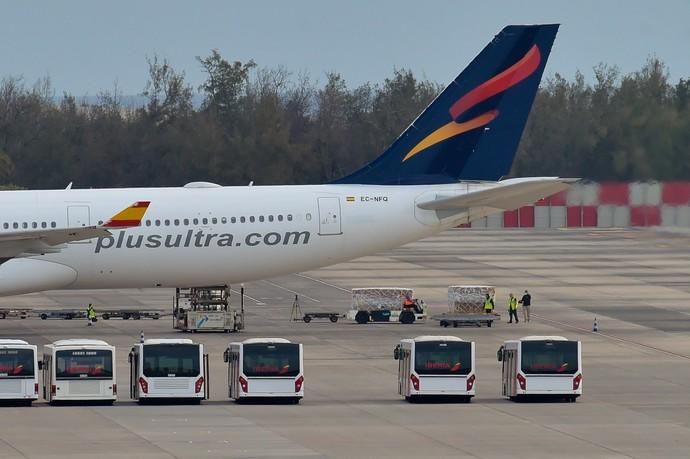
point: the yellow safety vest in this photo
(488, 306)
(512, 304)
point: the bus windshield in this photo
(16, 363)
(443, 358)
(549, 357)
(171, 360)
(271, 359)
(84, 363)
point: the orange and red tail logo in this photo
(499, 83)
(129, 217)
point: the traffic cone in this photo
(141, 337)
(595, 328)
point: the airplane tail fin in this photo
(472, 129)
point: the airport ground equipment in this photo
(14, 313)
(66, 314)
(127, 314)
(79, 370)
(206, 309)
(433, 366)
(459, 320)
(265, 368)
(541, 366)
(466, 306)
(168, 369)
(332, 316)
(383, 304)
(18, 371)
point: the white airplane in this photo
(442, 171)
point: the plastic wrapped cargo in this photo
(368, 299)
(468, 299)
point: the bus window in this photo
(83, 363)
(16, 363)
(171, 360)
(271, 359)
(549, 357)
(443, 358)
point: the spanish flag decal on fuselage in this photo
(350, 199)
(129, 217)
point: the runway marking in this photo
(324, 283)
(237, 292)
(292, 291)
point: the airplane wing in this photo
(49, 240)
(506, 194)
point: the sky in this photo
(88, 46)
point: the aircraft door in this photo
(78, 216)
(329, 216)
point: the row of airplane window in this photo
(166, 222)
(27, 225)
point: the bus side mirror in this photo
(226, 356)
(396, 352)
(40, 365)
(499, 354)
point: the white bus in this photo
(18, 371)
(436, 366)
(168, 369)
(79, 370)
(265, 368)
(543, 366)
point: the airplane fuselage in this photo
(214, 235)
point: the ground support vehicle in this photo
(168, 369)
(458, 320)
(436, 366)
(79, 370)
(541, 367)
(206, 309)
(18, 371)
(265, 368)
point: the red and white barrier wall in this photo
(603, 205)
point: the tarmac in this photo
(636, 400)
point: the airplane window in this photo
(223, 220)
(289, 217)
(53, 224)
(148, 223)
(233, 220)
(158, 223)
(205, 221)
(196, 221)
(308, 217)
(6, 225)
(100, 222)
(15, 225)
(186, 222)
(177, 222)
(25, 225)
(261, 218)
(43, 225)
(242, 219)
(214, 220)
(280, 218)
(34, 225)
(270, 218)
(251, 219)
(167, 222)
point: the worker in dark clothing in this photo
(512, 309)
(526, 302)
(488, 304)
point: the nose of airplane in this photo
(25, 275)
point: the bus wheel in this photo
(295, 401)
(362, 317)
